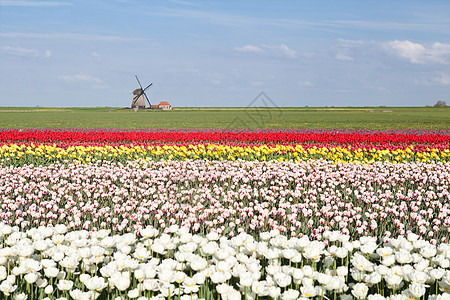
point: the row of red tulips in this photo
(222, 136)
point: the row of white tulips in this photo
(54, 263)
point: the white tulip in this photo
(219, 277)
(31, 277)
(40, 245)
(19, 270)
(150, 271)
(417, 277)
(209, 248)
(199, 264)
(323, 279)
(297, 274)
(179, 277)
(337, 283)
(373, 278)
(64, 285)
(21, 296)
(308, 291)
(274, 291)
(48, 289)
(361, 263)
(58, 256)
(95, 283)
(282, 279)
(80, 295)
(341, 252)
(125, 249)
(199, 278)
(166, 275)
(5, 229)
(428, 251)
(369, 247)
(139, 274)
(436, 274)
(416, 290)
(246, 279)
(290, 295)
(384, 251)
(11, 279)
(141, 253)
(150, 284)
(393, 280)
(58, 239)
(69, 262)
(213, 236)
(7, 287)
(190, 286)
(223, 288)
(134, 293)
(444, 263)
(308, 271)
(342, 271)
(121, 280)
(3, 273)
(260, 288)
(264, 236)
(158, 248)
(237, 241)
(41, 283)
(360, 290)
(147, 232)
(167, 289)
(60, 229)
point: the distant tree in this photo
(440, 103)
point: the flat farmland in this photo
(378, 118)
(291, 212)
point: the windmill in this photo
(139, 96)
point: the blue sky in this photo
(224, 53)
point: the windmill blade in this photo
(135, 98)
(138, 82)
(149, 104)
(148, 86)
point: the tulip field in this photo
(224, 214)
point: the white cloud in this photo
(442, 79)
(276, 50)
(95, 55)
(284, 50)
(249, 49)
(80, 77)
(25, 52)
(33, 3)
(344, 50)
(343, 56)
(419, 53)
(439, 79)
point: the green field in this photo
(308, 117)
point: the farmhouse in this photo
(164, 105)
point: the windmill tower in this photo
(139, 96)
